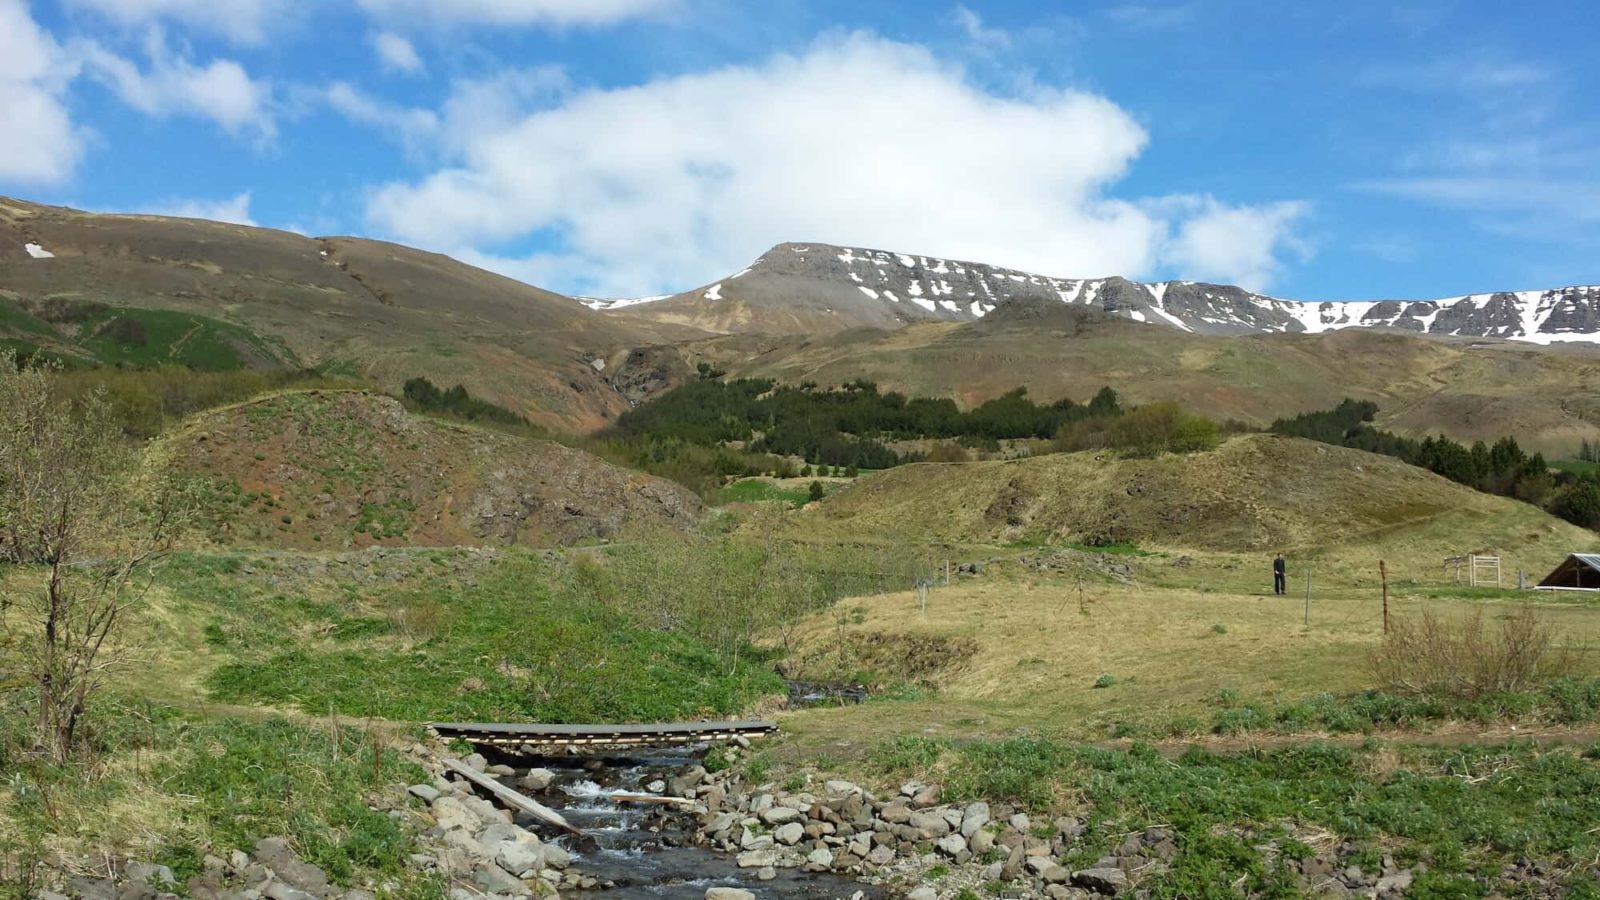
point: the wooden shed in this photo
(1580, 572)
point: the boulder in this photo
(494, 834)
(518, 858)
(952, 845)
(756, 859)
(896, 814)
(487, 813)
(981, 842)
(495, 880)
(1102, 881)
(729, 893)
(1398, 883)
(821, 857)
(683, 785)
(150, 874)
(277, 890)
(778, 815)
(841, 788)
(449, 812)
(923, 893)
(556, 857)
(536, 779)
(930, 824)
(461, 839)
(427, 793)
(974, 817)
(275, 854)
(789, 834)
(1037, 864)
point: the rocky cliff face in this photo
(802, 288)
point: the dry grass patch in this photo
(1037, 657)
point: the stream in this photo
(647, 851)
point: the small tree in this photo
(816, 490)
(81, 516)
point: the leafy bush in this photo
(1144, 431)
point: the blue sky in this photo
(1316, 150)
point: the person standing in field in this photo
(1280, 576)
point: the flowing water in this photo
(647, 851)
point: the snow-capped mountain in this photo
(818, 288)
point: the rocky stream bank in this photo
(658, 824)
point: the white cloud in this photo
(40, 144)
(221, 91)
(240, 20)
(1457, 75)
(415, 126)
(395, 53)
(235, 209)
(1500, 141)
(1152, 16)
(1233, 244)
(971, 24)
(516, 12)
(858, 141)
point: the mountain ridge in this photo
(817, 288)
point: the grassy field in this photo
(1184, 647)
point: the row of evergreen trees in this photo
(848, 426)
(425, 396)
(1501, 468)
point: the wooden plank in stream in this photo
(512, 798)
(650, 799)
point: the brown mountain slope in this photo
(1468, 389)
(386, 311)
(338, 469)
(1254, 493)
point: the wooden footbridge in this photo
(535, 738)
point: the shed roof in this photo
(1570, 575)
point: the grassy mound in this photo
(348, 469)
(1254, 493)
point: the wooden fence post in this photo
(1308, 596)
(1383, 573)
